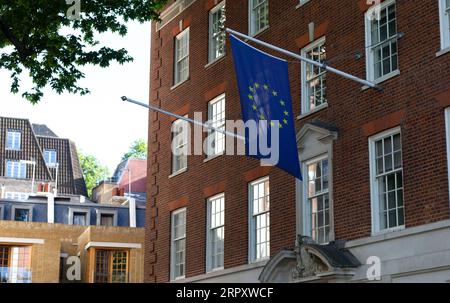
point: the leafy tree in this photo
(93, 171)
(42, 38)
(137, 150)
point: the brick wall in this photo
(414, 100)
(70, 239)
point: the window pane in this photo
(106, 220)
(261, 219)
(79, 219)
(390, 185)
(179, 241)
(383, 42)
(22, 215)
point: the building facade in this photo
(31, 155)
(128, 181)
(49, 231)
(374, 203)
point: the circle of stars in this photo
(253, 92)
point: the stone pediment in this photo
(309, 262)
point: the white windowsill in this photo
(210, 158)
(399, 234)
(217, 60)
(315, 110)
(262, 30)
(178, 173)
(178, 279)
(215, 270)
(301, 4)
(179, 84)
(443, 51)
(382, 79)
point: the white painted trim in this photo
(447, 134)
(179, 37)
(172, 246)
(444, 27)
(251, 222)
(214, 10)
(305, 226)
(251, 29)
(369, 58)
(399, 234)
(21, 240)
(208, 229)
(374, 186)
(304, 97)
(113, 245)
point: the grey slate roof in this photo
(43, 131)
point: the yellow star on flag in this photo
(286, 113)
(274, 93)
(266, 87)
(250, 96)
(285, 121)
(282, 103)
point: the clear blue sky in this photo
(99, 123)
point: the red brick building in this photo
(375, 163)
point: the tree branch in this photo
(23, 51)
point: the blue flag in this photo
(265, 93)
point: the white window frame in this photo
(16, 137)
(87, 213)
(253, 31)
(100, 212)
(186, 143)
(25, 207)
(219, 124)
(447, 133)
(252, 222)
(370, 70)
(209, 230)
(304, 91)
(444, 24)
(212, 38)
(375, 200)
(172, 244)
(177, 72)
(50, 157)
(305, 205)
(16, 164)
(302, 2)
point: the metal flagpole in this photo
(294, 55)
(162, 111)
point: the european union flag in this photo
(265, 93)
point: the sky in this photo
(99, 123)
